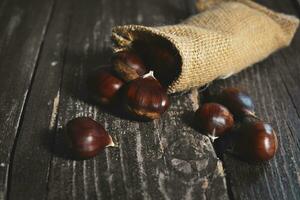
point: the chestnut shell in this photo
(214, 119)
(86, 137)
(238, 102)
(256, 141)
(128, 65)
(161, 57)
(105, 85)
(146, 98)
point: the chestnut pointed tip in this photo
(251, 113)
(212, 138)
(111, 142)
(149, 74)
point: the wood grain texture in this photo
(32, 153)
(274, 86)
(164, 159)
(49, 48)
(20, 41)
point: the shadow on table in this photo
(54, 143)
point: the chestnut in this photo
(105, 85)
(238, 102)
(128, 65)
(86, 137)
(146, 98)
(214, 119)
(161, 57)
(256, 140)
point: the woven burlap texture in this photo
(218, 42)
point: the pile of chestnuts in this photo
(128, 83)
(232, 114)
(131, 84)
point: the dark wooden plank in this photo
(33, 149)
(298, 4)
(277, 179)
(164, 159)
(2, 3)
(274, 86)
(21, 36)
(290, 58)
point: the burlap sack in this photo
(218, 42)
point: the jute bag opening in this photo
(225, 38)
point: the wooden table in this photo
(46, 50)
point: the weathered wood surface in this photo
(51, 46)
(36, 134)
(274, 85)
(21, 35)
(165, 159)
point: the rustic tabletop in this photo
(46, 50)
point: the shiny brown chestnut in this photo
(128, 65)
(238, 102)
(105, 85)
(256, 141)
(146, 98)
(86, 137)
(214, 119)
